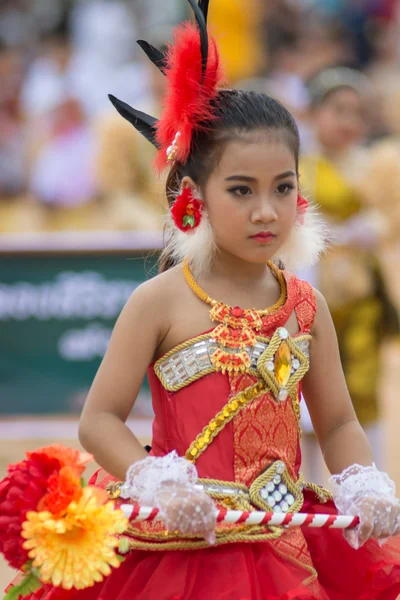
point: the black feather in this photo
(201, 23)
(145, 124)
(156, 57)
(203, 6)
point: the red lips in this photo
(263, 237)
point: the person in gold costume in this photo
(349, 275)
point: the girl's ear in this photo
(188, 182)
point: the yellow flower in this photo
(78, 549)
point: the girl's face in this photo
(339, 120)
(251, 196)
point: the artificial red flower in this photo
(68, 457)
(20, 492)
(186, 210)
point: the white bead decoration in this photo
(289, 499)
(277, 495)
(283, 394)
(283, 333)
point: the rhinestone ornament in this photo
(283, 394)
(289, 499)
(283, 364)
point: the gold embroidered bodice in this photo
(276, 360)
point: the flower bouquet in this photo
(53, 527)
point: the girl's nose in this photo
(264, 212)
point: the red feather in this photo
(302, 205)
(188, 98)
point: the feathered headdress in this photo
(191, 66)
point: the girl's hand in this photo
(369, 494)
(169, 484)
(379, 519)
(187, 510)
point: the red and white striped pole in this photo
(135, 514)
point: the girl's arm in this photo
(342, 440)
(138, 332)
(167, 482)
(359, 488)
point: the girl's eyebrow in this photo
(247, 178)
(240, 178)
(285, 174)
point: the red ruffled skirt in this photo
(255, 571)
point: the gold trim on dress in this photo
(275, 491)
(277, 369)
(202, 364)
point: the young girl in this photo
(231, 339)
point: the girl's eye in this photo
(240, 190)
(284, 188)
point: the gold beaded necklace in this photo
(238, 327)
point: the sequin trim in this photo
(230, 410)
(192, 360)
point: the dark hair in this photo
(236, 112)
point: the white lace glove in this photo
(169, 484)
(371, 495)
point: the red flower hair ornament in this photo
(186, 211)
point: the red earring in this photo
(186, 210)
(302, 205)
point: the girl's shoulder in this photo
(158, 293)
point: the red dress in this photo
(244, 440)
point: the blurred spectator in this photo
(69, 149)
(349, 275)
(59, 59)
(240, 45)
(123, 170)
(12, 166)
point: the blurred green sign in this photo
(56, 316)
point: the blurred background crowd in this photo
(68, 162)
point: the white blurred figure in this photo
(103, 36)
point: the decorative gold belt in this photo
(272, 491)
